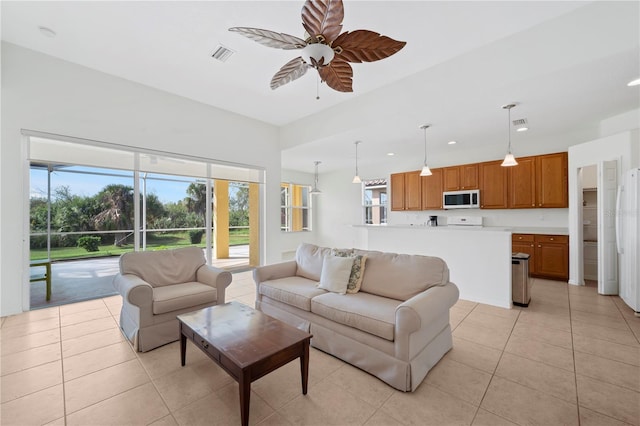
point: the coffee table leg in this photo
(183, 347)
(304, 365)
(245, 394)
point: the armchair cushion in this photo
(170, 298)
(166, 267)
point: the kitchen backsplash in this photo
(554, 218)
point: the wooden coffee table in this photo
(246, 343)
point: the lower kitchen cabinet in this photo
(549, 254)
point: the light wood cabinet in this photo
(412, 191)
(552, 180)
(406, 192)
(397, 191)
(493, 185)
(522, 184)
(549, 254)
(461, 177)
(523, 243)
(552, 256)
(536, 182)
(432, 190)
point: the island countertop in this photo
(512, 229)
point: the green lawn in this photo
(155, 242)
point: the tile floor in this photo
(571, 357)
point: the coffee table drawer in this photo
(205, 346)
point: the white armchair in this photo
(158, 285)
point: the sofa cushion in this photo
(164, 267)
(335, 275)
(402, 276)
(171, 298)
(366, 312)
(309, 260)
(357, 270)
(294, 291)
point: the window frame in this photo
(382, 205)
(287, 216)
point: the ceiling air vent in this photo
(521, 125)
(222, 53)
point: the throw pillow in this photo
(357, 270)
(335, 274)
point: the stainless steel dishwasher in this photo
(520, 283)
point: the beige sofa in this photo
(395, 327)
(158, 285)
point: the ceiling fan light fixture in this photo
(317, 54)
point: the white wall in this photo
(45, 94)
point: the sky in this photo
(90, 184)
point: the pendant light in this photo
(356, 178)
(425, 169)
(315, 189)
(509, 159)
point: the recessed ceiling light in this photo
(634, 82)
(391, 154)
(452, 143)
(48, 32)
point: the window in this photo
(295, 207)
(374, 201)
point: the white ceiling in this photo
(565, 63)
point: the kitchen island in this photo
(479, 258)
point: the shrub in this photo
(195, 235)
(89, 243)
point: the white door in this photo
(607, 250)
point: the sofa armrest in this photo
(215, 277)
(275, 271)
(416, 317)
(134, 290)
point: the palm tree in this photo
(196, 200)
(117, 208)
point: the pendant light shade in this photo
(509, 159)
(356, 178)
(315, 189)
(425, 169)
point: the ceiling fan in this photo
(326, 49)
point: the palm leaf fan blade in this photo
(323, 17)
(365, 46)
(338, 75)
(271, 38)
(290, 71)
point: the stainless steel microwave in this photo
(467, 199)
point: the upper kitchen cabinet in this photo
(432, 190)
(493, 185)
(552, 180)
(461, 177)
(522, 184)
(406, 191)
(397, 191)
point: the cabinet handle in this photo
(551, 239)
(533, 205)
(539, 245)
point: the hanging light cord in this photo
(357, 159)
(509, 128)
(425, 144)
